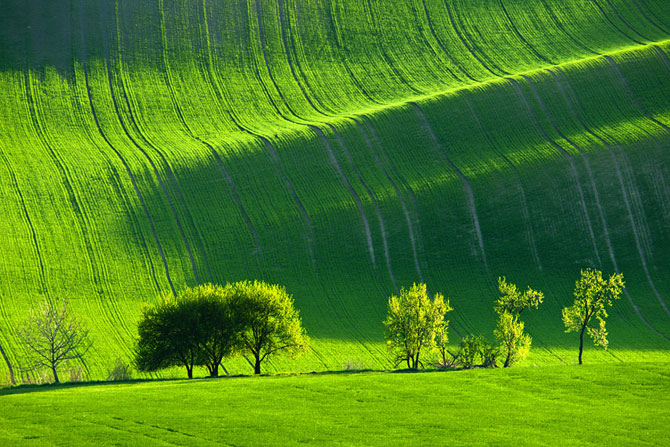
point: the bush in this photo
(120, 371)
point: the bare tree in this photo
(53, 336)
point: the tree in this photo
(199, 327)
(509, 329)
(592, 294)
(220, 324)
(53, 336)
(413, 323)
(168, 336)
(270, 322)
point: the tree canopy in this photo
(270, 322)
(514, 343)
(198, 327)
(593, 294)
(413, 323)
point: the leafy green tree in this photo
(512, 301)
(220, 324)
(199, 327)
(593, 294)
(270, 322)
(52, 336)
(413, 323)
(476, 351)
(514, 343)
(168, 336)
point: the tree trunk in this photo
(581, 344)
(189, 371)
(214, 371)
(257, 366)
(508, 359)
(53, 368)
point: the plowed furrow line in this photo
(135, 143)
(622, 186)
(403, 206)
(466, 184)
(384, 54)
(339, 170)
(380, 220)
(479, 58)
(331, 154)
(649, 19)
(625, 22)
(218, 92)
(119, 189)
(339, 42)
(94, 265)
(566, 154)
(636, 231)
(29, 222)
(436, 54)
(614, 25)
(524, 201)
(284, 21)
(350, 188)
(518, 34)
(442, 46)
(125, 164)
(563, 31)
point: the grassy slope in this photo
(343, 148)
(560, 405)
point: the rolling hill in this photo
(342, 148)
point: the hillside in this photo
(343, 148)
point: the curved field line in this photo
(468, 47)
(293, 64)
(441, 44)
(382, 50)
(31, 227)
(125, 163)
(345, 62)
(566, 154)
(96, 269)
(625, 22)
(429, 45)
(352, 191)
(331, 154)
(560, 26)
(94, 115)
(524, 202)
(621, 185)
(135, 143)
(408, 220)
(382, 228)
(466, 184)
(647, 18)
(351, 164)
(518, 34)
(607, 18)
(644, 113)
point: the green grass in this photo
(343, 148)
(625, 404)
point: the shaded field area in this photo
(624, 404)
(342, 148)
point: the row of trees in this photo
(203, 325)
(416, 324)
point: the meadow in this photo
(593, 405)
(342, 148)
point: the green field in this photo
(593, 405)
(343, 148)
